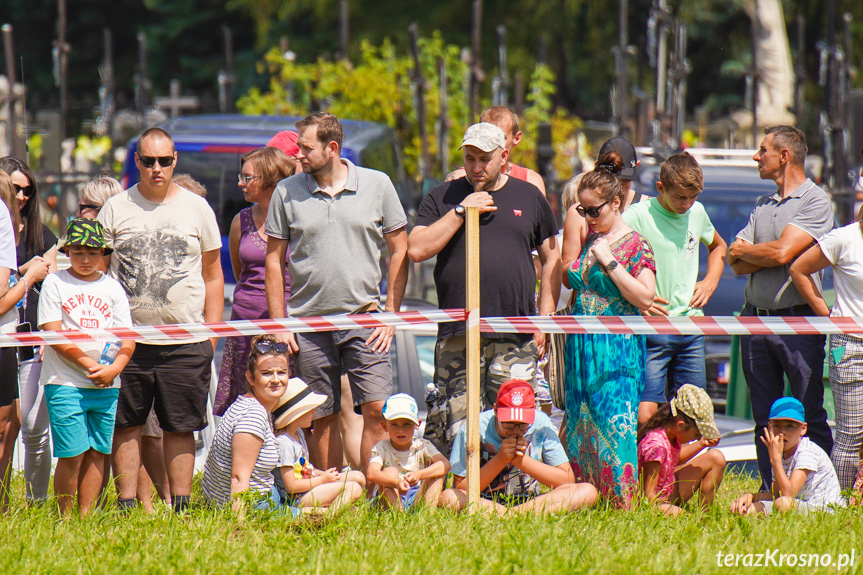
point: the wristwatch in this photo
(460, 211)
(612, 265)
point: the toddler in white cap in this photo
(408, 469)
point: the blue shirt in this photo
(543, 445)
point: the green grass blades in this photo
(366, 540)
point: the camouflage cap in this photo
(487, 137)
(86, 232)
(694, 402)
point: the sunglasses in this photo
(28, 190)
(245, 180)
(271, 346)
(82, 207)
(592, 212)
(150, 161)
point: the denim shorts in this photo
(673, 360)
(81, 418)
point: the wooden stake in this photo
(473, 351)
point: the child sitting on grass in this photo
(519, 452)
(669, 469)
(804, 478)
(81, 380)
(299, 484)
(408, 469)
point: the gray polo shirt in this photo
(808, 208)
(335, 241)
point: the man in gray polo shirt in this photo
(781, 227)
(334, 216)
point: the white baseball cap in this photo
(401, 406)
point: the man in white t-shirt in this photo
(166, 256)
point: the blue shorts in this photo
(409, 499)
(81, 418)
(278, 501)
(673, 360)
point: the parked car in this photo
(210, 148)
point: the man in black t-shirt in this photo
(515, 218)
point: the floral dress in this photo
(605, 376)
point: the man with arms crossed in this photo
(781, 227)
(334, 216)
(166, 256)
(515, 218)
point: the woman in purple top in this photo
(261, 170)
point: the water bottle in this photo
(109, 353)
(431, 394)
(13, 281)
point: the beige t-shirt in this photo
(419, 456)
(157, 254)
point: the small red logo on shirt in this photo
(517, 212)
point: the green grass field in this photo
(365, 540)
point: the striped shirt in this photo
(245, 415)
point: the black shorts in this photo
(172, 379)
(8, 376)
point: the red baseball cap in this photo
(285, 141)
(515, 402)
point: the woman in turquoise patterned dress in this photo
(613, 275)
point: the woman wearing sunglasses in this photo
(37, 246)
(244, 452)
(613, 275)
(260, 172)
(94, 194)
(9, 404)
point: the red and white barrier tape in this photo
(700, 325)
(743, 325)
(196, 331)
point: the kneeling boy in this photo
(803, 475)
(408, 469)
(520, 451)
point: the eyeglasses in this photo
(266, 346)
(592, 212)
(244, 179)
(511, 425)
(150, 161)
(82, 207)
(28, 190)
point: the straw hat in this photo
(298, 400)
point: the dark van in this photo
(210, 148)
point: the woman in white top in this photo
(244, 453)
(36, 272)
(842, 248)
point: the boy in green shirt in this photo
(675, 223)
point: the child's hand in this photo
(103, 375)
(520, 450)
(411, 478)
(710, 442)
(331, 475)
(742, 504)
(508, 449)
(403, 485)
(775, 445)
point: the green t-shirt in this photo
(674, 239)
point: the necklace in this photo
(605, 235)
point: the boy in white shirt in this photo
(408, 468)
(803, 476)
(82, 380)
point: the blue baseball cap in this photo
(788, 408)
